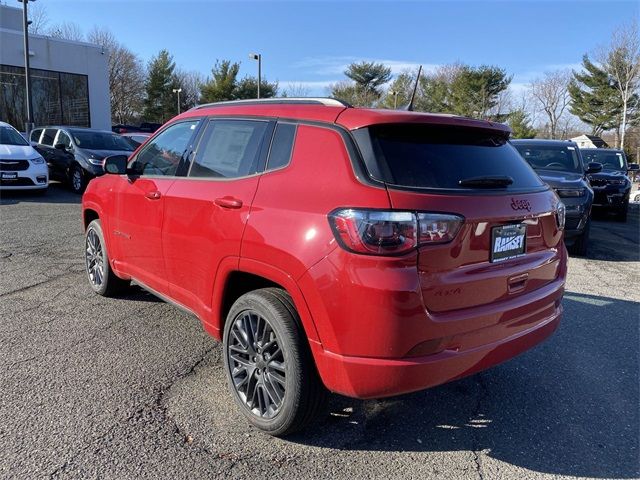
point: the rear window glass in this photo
(427, 156)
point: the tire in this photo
(99, 273)
(277, 388)
(77, 179)
(581, 244)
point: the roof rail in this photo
(326, 101)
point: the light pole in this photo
(258, 57)
(178, 90)
(27, 71)
(395, 98)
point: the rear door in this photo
(207, 211)
(508, 244)
(139, 204)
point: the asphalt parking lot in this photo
(133, 388)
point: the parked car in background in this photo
(560, 165)
(123, 128)
(612, 185)
(386, 251)
(75, 155)
(149, 127)
(136, 138)
(21, 167)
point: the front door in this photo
(140, 203)
(206, 212)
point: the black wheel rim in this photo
(257, 365)
(76, 179)
(94, 258)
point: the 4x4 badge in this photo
(520, 205)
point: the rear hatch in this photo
(508, 243)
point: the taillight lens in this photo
(378, 232)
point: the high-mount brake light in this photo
(379, 232)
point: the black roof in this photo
(544, 141)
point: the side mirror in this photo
(60, 146)
(116, 164)
(633, 167)
(593, 167)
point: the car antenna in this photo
(409, 107)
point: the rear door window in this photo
(229, 149)
(48, 136)
(281, 146)
(435, 157)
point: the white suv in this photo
(21, 167)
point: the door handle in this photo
(155, 195)
(228, 202)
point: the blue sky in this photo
(310, 43)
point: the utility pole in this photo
(27, 72)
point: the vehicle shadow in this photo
(56, 193)
(613, 240)
(568, 407)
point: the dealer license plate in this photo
(508, 241)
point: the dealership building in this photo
(69, 79)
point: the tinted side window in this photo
(35, 135)
(162, 155)
(229, 149)
(64, 139)
(49, 135)
(281, 146)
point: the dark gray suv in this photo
(560, 165)
(75, 155)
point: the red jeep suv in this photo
(365, 252)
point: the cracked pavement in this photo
(133, 388)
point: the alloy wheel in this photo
(257, 364)
(76, 180)
(94, 258)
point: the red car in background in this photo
(365, 252)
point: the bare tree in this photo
(126, 76)
(621, 60)
(190, 83)
(296, 90)
(39, 19)
(551, 94)
(67, 31)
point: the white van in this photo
(21, 166)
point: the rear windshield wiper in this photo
(487, 182)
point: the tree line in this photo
(604, 94)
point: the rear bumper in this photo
(362, 377)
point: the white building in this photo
(590, 141)
(69, 80)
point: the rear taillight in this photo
(382, 232)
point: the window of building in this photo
(57, 97)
